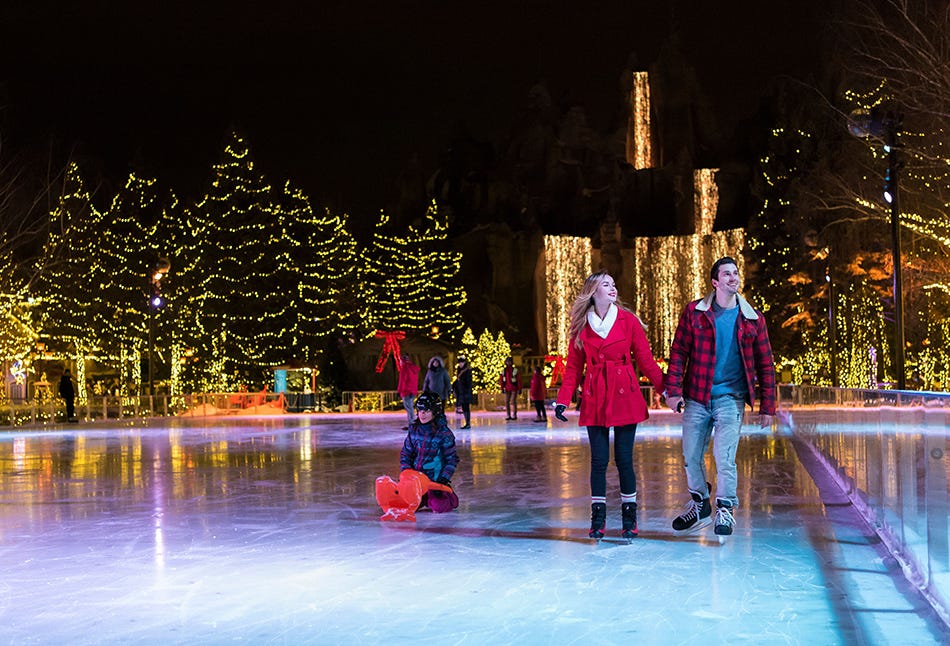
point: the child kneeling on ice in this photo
(428, 460)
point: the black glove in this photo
(559, 412)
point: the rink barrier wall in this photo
(52, 410)
(888, 452)
(380, 401)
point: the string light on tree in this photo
(71, 274)
(242, 269)
(329, 301)
(488, 361)
(412, 281)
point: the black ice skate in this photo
(725, 521)
(697, 514)
(598, 520)
(629, 513)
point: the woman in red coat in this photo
(606, 340)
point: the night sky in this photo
(339, 96)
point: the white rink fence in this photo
(888, 452)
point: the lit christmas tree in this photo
(128, 257)
(17, 330)
(933, 365)
(488, 361)
(785, 281)
(468, 343)
(72, 273)
(412, 281)
(324, 255)
(468, 347)
(242, 277)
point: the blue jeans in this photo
(407, 402)
(599, 437)
(725, 415)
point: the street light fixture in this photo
(886, 125)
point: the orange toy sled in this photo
(399, 500)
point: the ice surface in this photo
(266, 531)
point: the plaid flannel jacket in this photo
(693, 355)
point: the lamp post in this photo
(155, 301)
(891, 194)
(877, 123)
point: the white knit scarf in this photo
(601, 326)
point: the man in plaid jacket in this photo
(721, 359)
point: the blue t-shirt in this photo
(729, 378)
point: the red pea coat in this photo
(611, 394)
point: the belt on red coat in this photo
(602, 369)
(610, 362)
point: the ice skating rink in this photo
(266, 531)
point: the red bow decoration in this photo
(390, 346)
(558, 370)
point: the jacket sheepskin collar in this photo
(747, 310)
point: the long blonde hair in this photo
(584, 303)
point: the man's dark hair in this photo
(725, 260)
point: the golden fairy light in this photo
(705, 199)
(639, 142)
(567, 262)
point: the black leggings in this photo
(624, 437)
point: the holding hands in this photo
(675, 403)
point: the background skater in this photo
(68, 393)
(538, 391)
(510, 382)
(408, 386)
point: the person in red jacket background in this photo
(510, 383)
(538, 392)
(408, 386)
(606, 340)
(720, 360)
